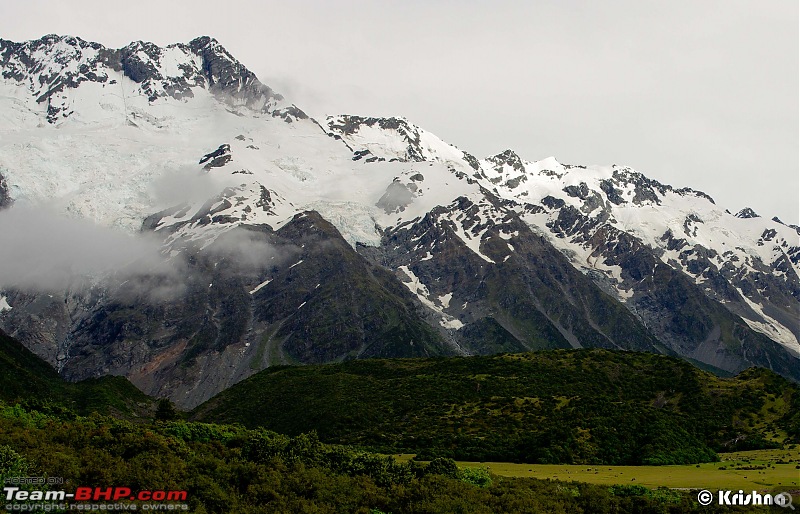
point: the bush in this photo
(11, 463)
(201, 432)
(479, 477)
(442, 466)
(628, 490)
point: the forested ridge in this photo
(562, 406)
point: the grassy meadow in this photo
(747, 470)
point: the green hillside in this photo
(27, 379)
(561, 406)
(229, 469)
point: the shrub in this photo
(11, 463)
(442, 466)
(479, 477)
(628, 490)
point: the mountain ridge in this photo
(493, 254)
(54, 63)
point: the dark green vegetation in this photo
(26, 378)
(563, 406)
(229, 469)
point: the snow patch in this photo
(624, 294)
(772, 328)
(259, 286)
(418, 288)
(421, 292)
(473, 243)
(451, 324)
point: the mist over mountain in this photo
(169, 218)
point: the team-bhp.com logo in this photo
(25, 500)
(706, 497)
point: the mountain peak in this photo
(204, 41)
(747, 212)
(505, 154)
(508, 157)
(50, 39)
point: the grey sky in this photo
(693, 93)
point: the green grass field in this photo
(780, 471)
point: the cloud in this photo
(43, 251)
(188, 185)
(248, 249)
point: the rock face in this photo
(352, 126)
(483, 270)
(229, 77)
(293, 241)
(5, 195)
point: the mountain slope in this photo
(29, 379)
(620, 231)
(476, 261)
(748, 263)
(311, 299)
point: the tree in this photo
(166, 411)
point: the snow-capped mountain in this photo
(298, 240)
(748, 264)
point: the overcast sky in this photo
(692, 93)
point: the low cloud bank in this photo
(248, 249)
(43, 251)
